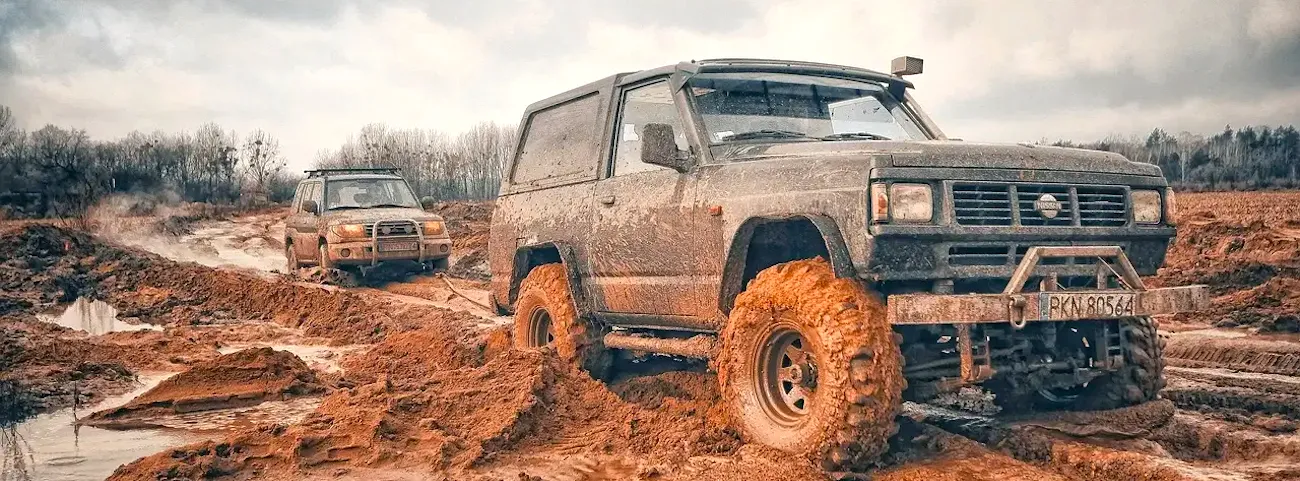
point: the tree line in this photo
(1252, 157)
(466, 166)
(62, 172)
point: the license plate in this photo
(397, 246)
(1086, 305)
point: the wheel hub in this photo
(787, 377)
(540, 333)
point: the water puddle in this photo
(94, 317)
(52, 447)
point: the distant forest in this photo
(61, 172)
(1247, 158)
(58, 171)
(467, 166)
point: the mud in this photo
(405, 382)
(241, 379)
(1246, 247)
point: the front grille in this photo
(1102, 206)
(391, 228)
(982, 204)
(1048, 205)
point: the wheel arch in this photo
(763, 232)
(528, 257)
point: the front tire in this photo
(1142, 376)
(809, 366)
(325, 261)
(546, 316)
(291, 264)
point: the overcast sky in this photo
(312, 72)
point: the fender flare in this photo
(734, 267)
(521, 268)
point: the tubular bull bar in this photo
(1018, 308)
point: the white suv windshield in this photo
(368, 193)
(756, 105)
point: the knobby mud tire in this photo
(1143, 374)
(859, 385)
(576, 340)
(291, 264)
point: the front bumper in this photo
(370, 252)
(1048, 304)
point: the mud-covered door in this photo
(301, 224)
(642, 246)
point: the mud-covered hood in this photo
(365, 216)
(945, 154)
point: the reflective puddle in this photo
(52, 447)
(94, 317)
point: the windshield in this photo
(368, 193)
(751, 105)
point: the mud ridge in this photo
(240, 379)
(1255, 355)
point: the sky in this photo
(312, 72)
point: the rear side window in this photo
(562, 144)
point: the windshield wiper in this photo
(342, 207)
(387, 205)
(766, 134)
(855, 135)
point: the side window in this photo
(298, 197)
(648, 104)
(313, 193)
(560, 143)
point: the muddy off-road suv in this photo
(359, 219)
(813, 234)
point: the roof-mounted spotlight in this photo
(906, 66)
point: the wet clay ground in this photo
(183, 339)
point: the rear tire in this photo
(546, 316)
(1141, 378)
(291, 264)
(809, 366)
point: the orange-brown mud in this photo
(440, 394)
(244, 378)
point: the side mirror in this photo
(428, 203)
(658, 147)
(310, 206)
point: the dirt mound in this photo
(243, 378)
(437, 406)
(60, 265)
(1247, 250)
(468, 223)
(54, 366)
(414, 355)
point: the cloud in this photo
(313, 72)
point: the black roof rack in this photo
(354, 170)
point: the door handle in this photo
(607, 200)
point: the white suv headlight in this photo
(911, 203)
(1146, 206)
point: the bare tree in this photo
(261, 160)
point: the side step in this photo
(699, 346)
